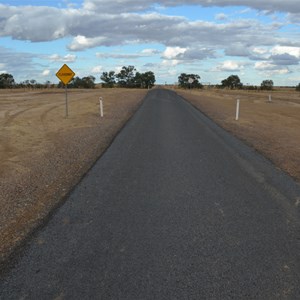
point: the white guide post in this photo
(237, 109)
(101, 106)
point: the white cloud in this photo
(271, 69)
(221, 16)
(132, 22)
(173, 52)
(231, 66)
(260, 51)
(70, 4)
(150, 52)
(90, 29)
(46, 72)
(142, 54)
(81, 42)
(282, 71)
(118, 55)
(97, 69)
(118, 69)
(65, 59)
(291, 6)
(21, 63)
(278, 50)
(264, 65)
(170, 63)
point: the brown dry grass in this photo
(273, 128)
(43, 154)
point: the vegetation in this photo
(109, 79)
(128, 77)
(251, 87)
(6, 81)
(232, 82)
(87, 82)
(267, 85)
(145, 80)
(189, 81)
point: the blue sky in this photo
(211, 38)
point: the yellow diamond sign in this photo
(65, 74)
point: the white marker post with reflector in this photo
(101, 106)
(237, 109)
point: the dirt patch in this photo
(272, 128)
(43, 154)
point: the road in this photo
(176, 208)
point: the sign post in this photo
(65, 74)
(66, 92)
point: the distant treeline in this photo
(128, 77)
(233, 82)
(7, 81)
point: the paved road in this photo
(175, 209)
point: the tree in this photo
(27, 83)
(267, 85)
(33, 82)
(189, 81)
(74, 83)
(126, 76)
(109, 79)
(88, 82)
(232, 82)
(144, 80)
(298, 87)
(6, 81)
(48, 84)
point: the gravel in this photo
(32, 191)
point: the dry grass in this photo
(273, 128)
(43, 154)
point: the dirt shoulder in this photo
(272, 128)
(43, 154)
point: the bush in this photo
(267, 85)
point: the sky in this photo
(254, 39)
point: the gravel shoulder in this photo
(43, 154)
(272, 128)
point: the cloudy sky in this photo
(253, 39)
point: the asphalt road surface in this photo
(176, 208)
